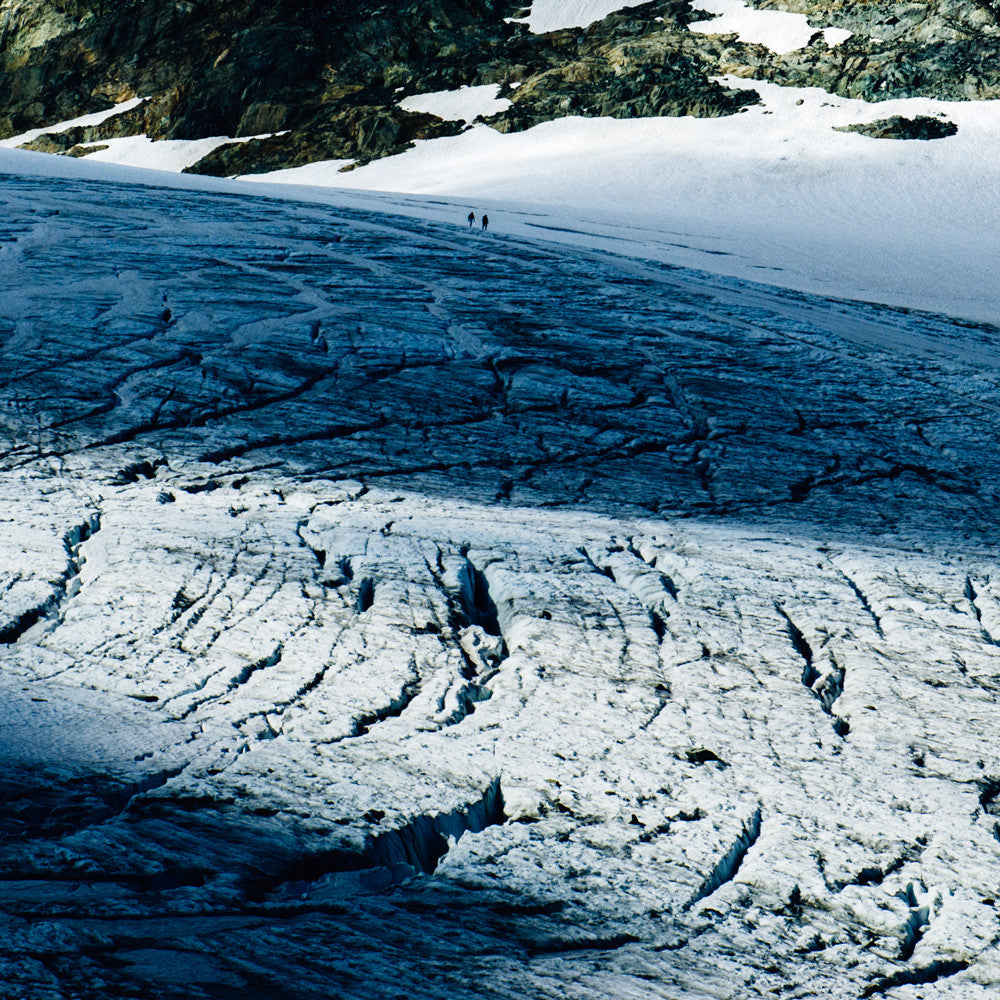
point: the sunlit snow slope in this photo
(393, 610)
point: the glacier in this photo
(390, 610)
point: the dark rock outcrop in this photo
(329, 76)
(945, 49)
(359, 133)
(898, 127)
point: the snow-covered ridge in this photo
(779, 31)
(162, 154)
(174, 155)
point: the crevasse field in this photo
(602, 606)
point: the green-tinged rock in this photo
(80, 151)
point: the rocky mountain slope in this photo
(328, 77)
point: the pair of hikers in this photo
(472, 221)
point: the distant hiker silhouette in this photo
(472, 219)
(486, 222)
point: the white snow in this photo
(552, 15)
(84, 120)
(780, 31)
(773, 194)
(463, 104)
(171, 155)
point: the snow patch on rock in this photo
(553, 15)
(463, 104)
(779, 31)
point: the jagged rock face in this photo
(619, 68)
(236, 69)
(638, 63)
(330, 74)
(948, 49)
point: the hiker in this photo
(486, 223)
(472, 219)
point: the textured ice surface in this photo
(393, 611)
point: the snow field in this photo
(772, 194)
